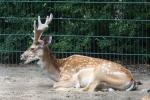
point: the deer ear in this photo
(47, 40)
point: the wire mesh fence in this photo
(117, 30)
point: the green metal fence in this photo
(118, 30)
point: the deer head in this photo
(35, 51)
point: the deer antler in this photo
(41, 27)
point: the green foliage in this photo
(82, 22)
(122, 28)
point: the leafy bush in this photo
(89, 27)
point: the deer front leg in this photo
(91, 87)
(65, 84)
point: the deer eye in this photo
(39, 47)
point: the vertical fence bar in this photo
(71, 22)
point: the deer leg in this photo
(96, 84)
(102, 86)
(64, 84)
(65, 89)
(91, 87)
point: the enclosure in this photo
(117, 30)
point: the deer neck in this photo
(50, 64)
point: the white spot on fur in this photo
(105, 68)
(109, 65)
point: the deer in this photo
(79, 72)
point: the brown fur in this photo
(66, 71)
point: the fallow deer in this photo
(76, 71)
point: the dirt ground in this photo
(31, 83)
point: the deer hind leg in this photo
(103, 86)
(96, 84)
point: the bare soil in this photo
(19, 82)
